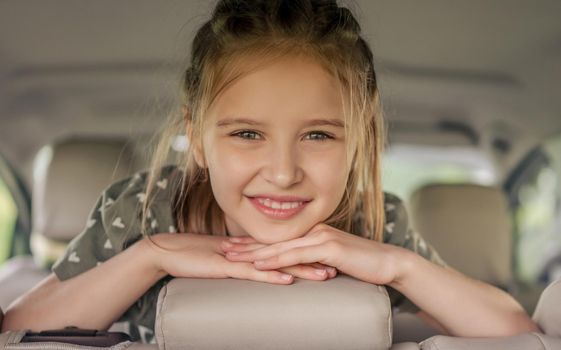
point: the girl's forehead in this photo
(290, 86)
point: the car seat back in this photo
(469, 226)
(548, 311)
(68, 177)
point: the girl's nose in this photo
(283, 169)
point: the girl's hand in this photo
(364, 259)
(200, 256)
(313, 271)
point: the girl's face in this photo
(275, 150)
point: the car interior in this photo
(471, 96)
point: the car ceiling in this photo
(110, 67)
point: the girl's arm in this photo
(463, 306)
(91, 300)
(97, 297)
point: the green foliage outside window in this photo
(8, 217)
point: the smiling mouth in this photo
(277, 209)
(279, 205)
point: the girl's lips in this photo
(276, 213)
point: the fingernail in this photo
(332, 269)
(235, 239)
(260, 262)
(286, 277)
(232, 253)
(321, 272)
(226, 244)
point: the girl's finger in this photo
(307, 272)
(247, 271)
(271, 250)
(331, 271)
(296, 256)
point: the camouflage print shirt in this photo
(114, 225)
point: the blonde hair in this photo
(268, 30)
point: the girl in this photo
(281, 181)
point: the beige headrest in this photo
(67, 180)
(469, 226)
(548, 311)
(524, 341)
(341, 313)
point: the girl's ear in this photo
(198, 153)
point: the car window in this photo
(15, 213)
(406, 168)
(8, 218)
(535, 194)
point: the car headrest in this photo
(340, 313)
(548, 313)
(524, 341)
(68, 177)
(469, 226)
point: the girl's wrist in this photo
(150, 254)
(403, 261)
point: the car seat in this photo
(68, 177)
(469, 226)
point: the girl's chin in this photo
(273, 238)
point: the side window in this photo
(8, 218)
(14, 214)
(535, 194)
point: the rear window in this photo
(406, 168)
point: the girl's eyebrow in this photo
(333, 122)
(313, 122)
(230, 121)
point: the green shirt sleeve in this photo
(112, 221)
(397, 231)
(113, 225)
(90, 248)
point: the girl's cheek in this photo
(328, 165)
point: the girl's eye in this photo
(319, 136)
(246, 134)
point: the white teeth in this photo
(279, 205)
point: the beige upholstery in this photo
(408, 327)
(405, 346)
(341, 313)
(9, 338)
(18, 275)
(68, 178)
(469, 226)
(548, 311)
(526, 341)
